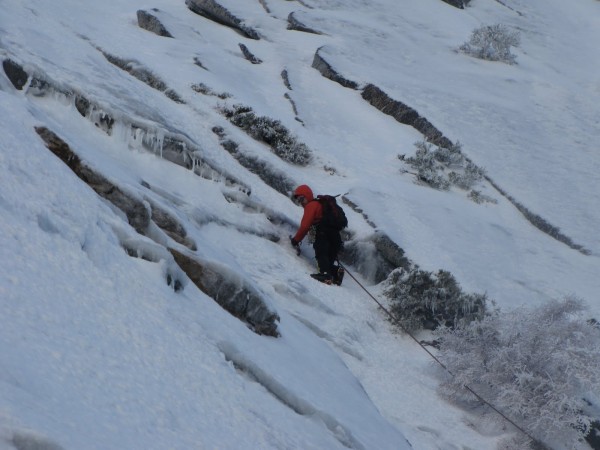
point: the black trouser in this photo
(327, 245)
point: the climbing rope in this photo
(394, 319)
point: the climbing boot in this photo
(323, 277)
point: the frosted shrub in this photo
(537, 366)
(492, 43)
(271, 132)
(470, 175)
(480, 198)
(433, 163)
(428, 167)
(421, 299)
(202, 88)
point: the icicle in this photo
(160, 139)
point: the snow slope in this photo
(98, 352)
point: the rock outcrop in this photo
(380, 100)
(217, 13)
(327, 71)
(404, 114)
(249, 55)
(15, 73)
(137, 213)
(296, 25)
(277, 179)
(151, 23)
(231, 292)
(144, 75)
(460, 4)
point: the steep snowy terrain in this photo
(107, 341)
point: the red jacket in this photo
(313, 212)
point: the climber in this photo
(326, 219)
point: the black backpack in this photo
(333, 214)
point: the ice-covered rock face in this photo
(135, 210)
(375, 257)
(223, 285)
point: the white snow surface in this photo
(98, 352)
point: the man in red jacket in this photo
(328, 241)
